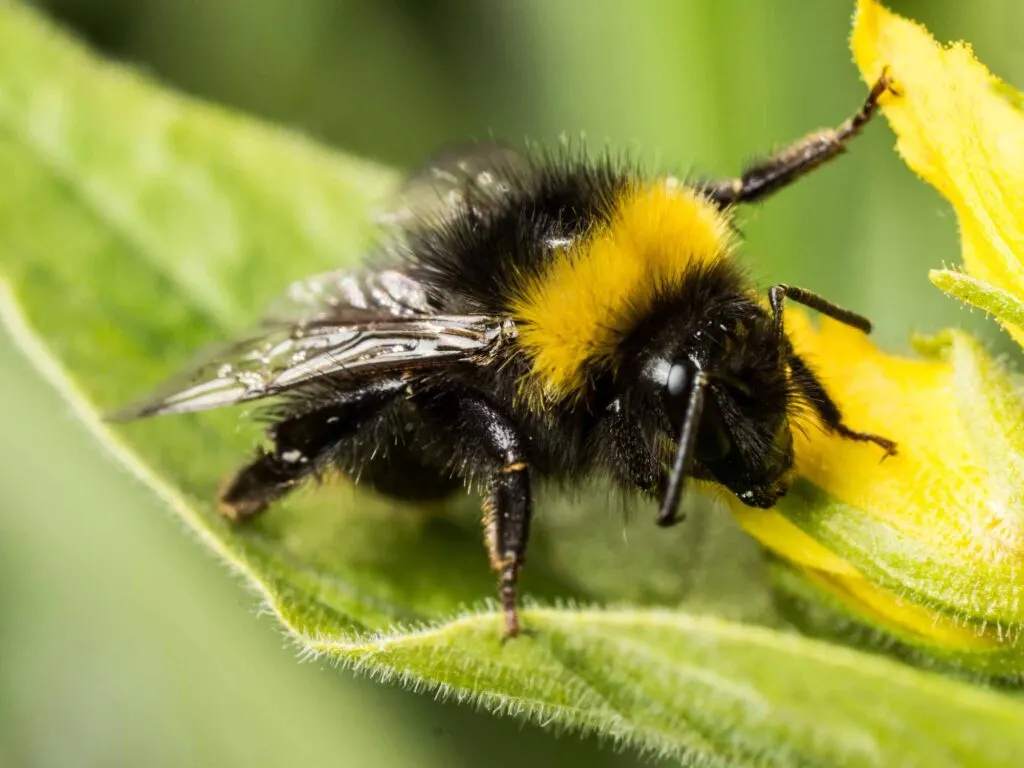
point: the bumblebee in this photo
(535, 317)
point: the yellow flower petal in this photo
(782, 537)
(903, 617)
(905, 399)
(957, 129)
(927, 544)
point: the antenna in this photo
(669, 512)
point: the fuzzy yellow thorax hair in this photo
(572, 315)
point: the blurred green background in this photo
(121, 642)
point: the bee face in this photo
(743, 435)
(750, 401)
(757, 465)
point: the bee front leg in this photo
(815, 393)
(797, 160)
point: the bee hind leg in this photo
(251, 489)
(306, 436)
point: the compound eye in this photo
(713, 440)
(676, 383)
(677, 379)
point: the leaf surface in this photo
(136, 225)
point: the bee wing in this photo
(275, 361)
(348, 295)
(357, 322)
(473, 175)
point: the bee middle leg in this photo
(489, 442)
(305, 438)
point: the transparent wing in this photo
(357, 322)
(280, 359)
(472, 175)
(348, 295)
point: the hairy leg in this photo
(783, 168)
(490, 444)
(818, 397)
(304, 436)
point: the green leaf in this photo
(1002, 304)
(1011, 94)
(136, 225)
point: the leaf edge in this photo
(361, 655)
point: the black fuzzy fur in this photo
(418, 434)
(471, 263)
(473, 226)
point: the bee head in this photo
(722, 394)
